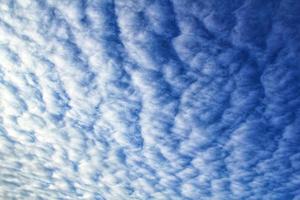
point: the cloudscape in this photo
(150, 100)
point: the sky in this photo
(149, 100)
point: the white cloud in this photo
(149, 100)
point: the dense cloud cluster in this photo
(150, 99)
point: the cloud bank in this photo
(139, 99)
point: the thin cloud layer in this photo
(164, 99)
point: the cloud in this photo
(149, 99)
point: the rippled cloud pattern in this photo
(150, 99)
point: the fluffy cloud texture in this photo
(150, 99)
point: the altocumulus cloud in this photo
(150, 99)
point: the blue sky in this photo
(150, 99)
